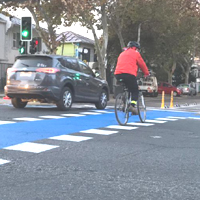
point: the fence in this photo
(3, 69)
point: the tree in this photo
(172, 26)
(92, 14)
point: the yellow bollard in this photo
(171, 103)
(163, 100)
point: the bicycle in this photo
(123, 102)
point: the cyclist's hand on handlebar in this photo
(146, 75)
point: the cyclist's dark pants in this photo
(131, 83)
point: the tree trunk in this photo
(121, 39)
(186, 78)
(103, 65)
(169, 77)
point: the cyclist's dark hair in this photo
(133, 44)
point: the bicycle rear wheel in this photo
(121, 109)
(141, 108)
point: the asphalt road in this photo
(52, 155)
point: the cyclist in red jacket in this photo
(127, 66)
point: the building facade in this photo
(72, 44)
(9, 43)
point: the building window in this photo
(16, 39)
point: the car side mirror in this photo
(96, 73)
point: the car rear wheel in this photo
(66, 99)
(18, 103)
(102, 103)
(154, 94)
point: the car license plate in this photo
(25, 74)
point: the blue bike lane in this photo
(16, 133)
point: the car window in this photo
(70, 63)
(165, 85)
(85, 69)
(33, 62)
(62, 62)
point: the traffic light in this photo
(34, 45)
(26, 29)
(22, 47)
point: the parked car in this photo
(148, 85)
(168, 88)
(54, 79)
(187, 89)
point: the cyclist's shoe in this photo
(133, 110)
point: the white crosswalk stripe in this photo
(72, 138)
(27, 119)
(2, 161)
(198, 118)
(31, 147)
(102, 111)
(90, 113)
(6, 122)
(121, 127)
(155, 121)
(51, 117)
(176, 117)
(99, 132)
(140, 124)
(72, 115)
(167, 119)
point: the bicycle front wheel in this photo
(121, 109)
(141, 108)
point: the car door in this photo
(94, 85)
(71, 70)
(167, 88)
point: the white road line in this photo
(2, 161)
(194, 118)
(167, 119)
(140, 124)
(102, 111)
(6, 122)
(27, 119)
(99, 132)
(176, 117)
(72, 115)
(90, 113)
(72, 138)
(121, 127)
(156, 137)
(51, 117)
(155, 121)
(31, 147)
(107, 107)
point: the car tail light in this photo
(48, 70)
(10, 70)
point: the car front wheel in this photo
(18, 103)
(102, 103)
(66, 99)
(175, 94)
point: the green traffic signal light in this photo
(25, 33)
(22, 50)
(22, 47)
(26, 29)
